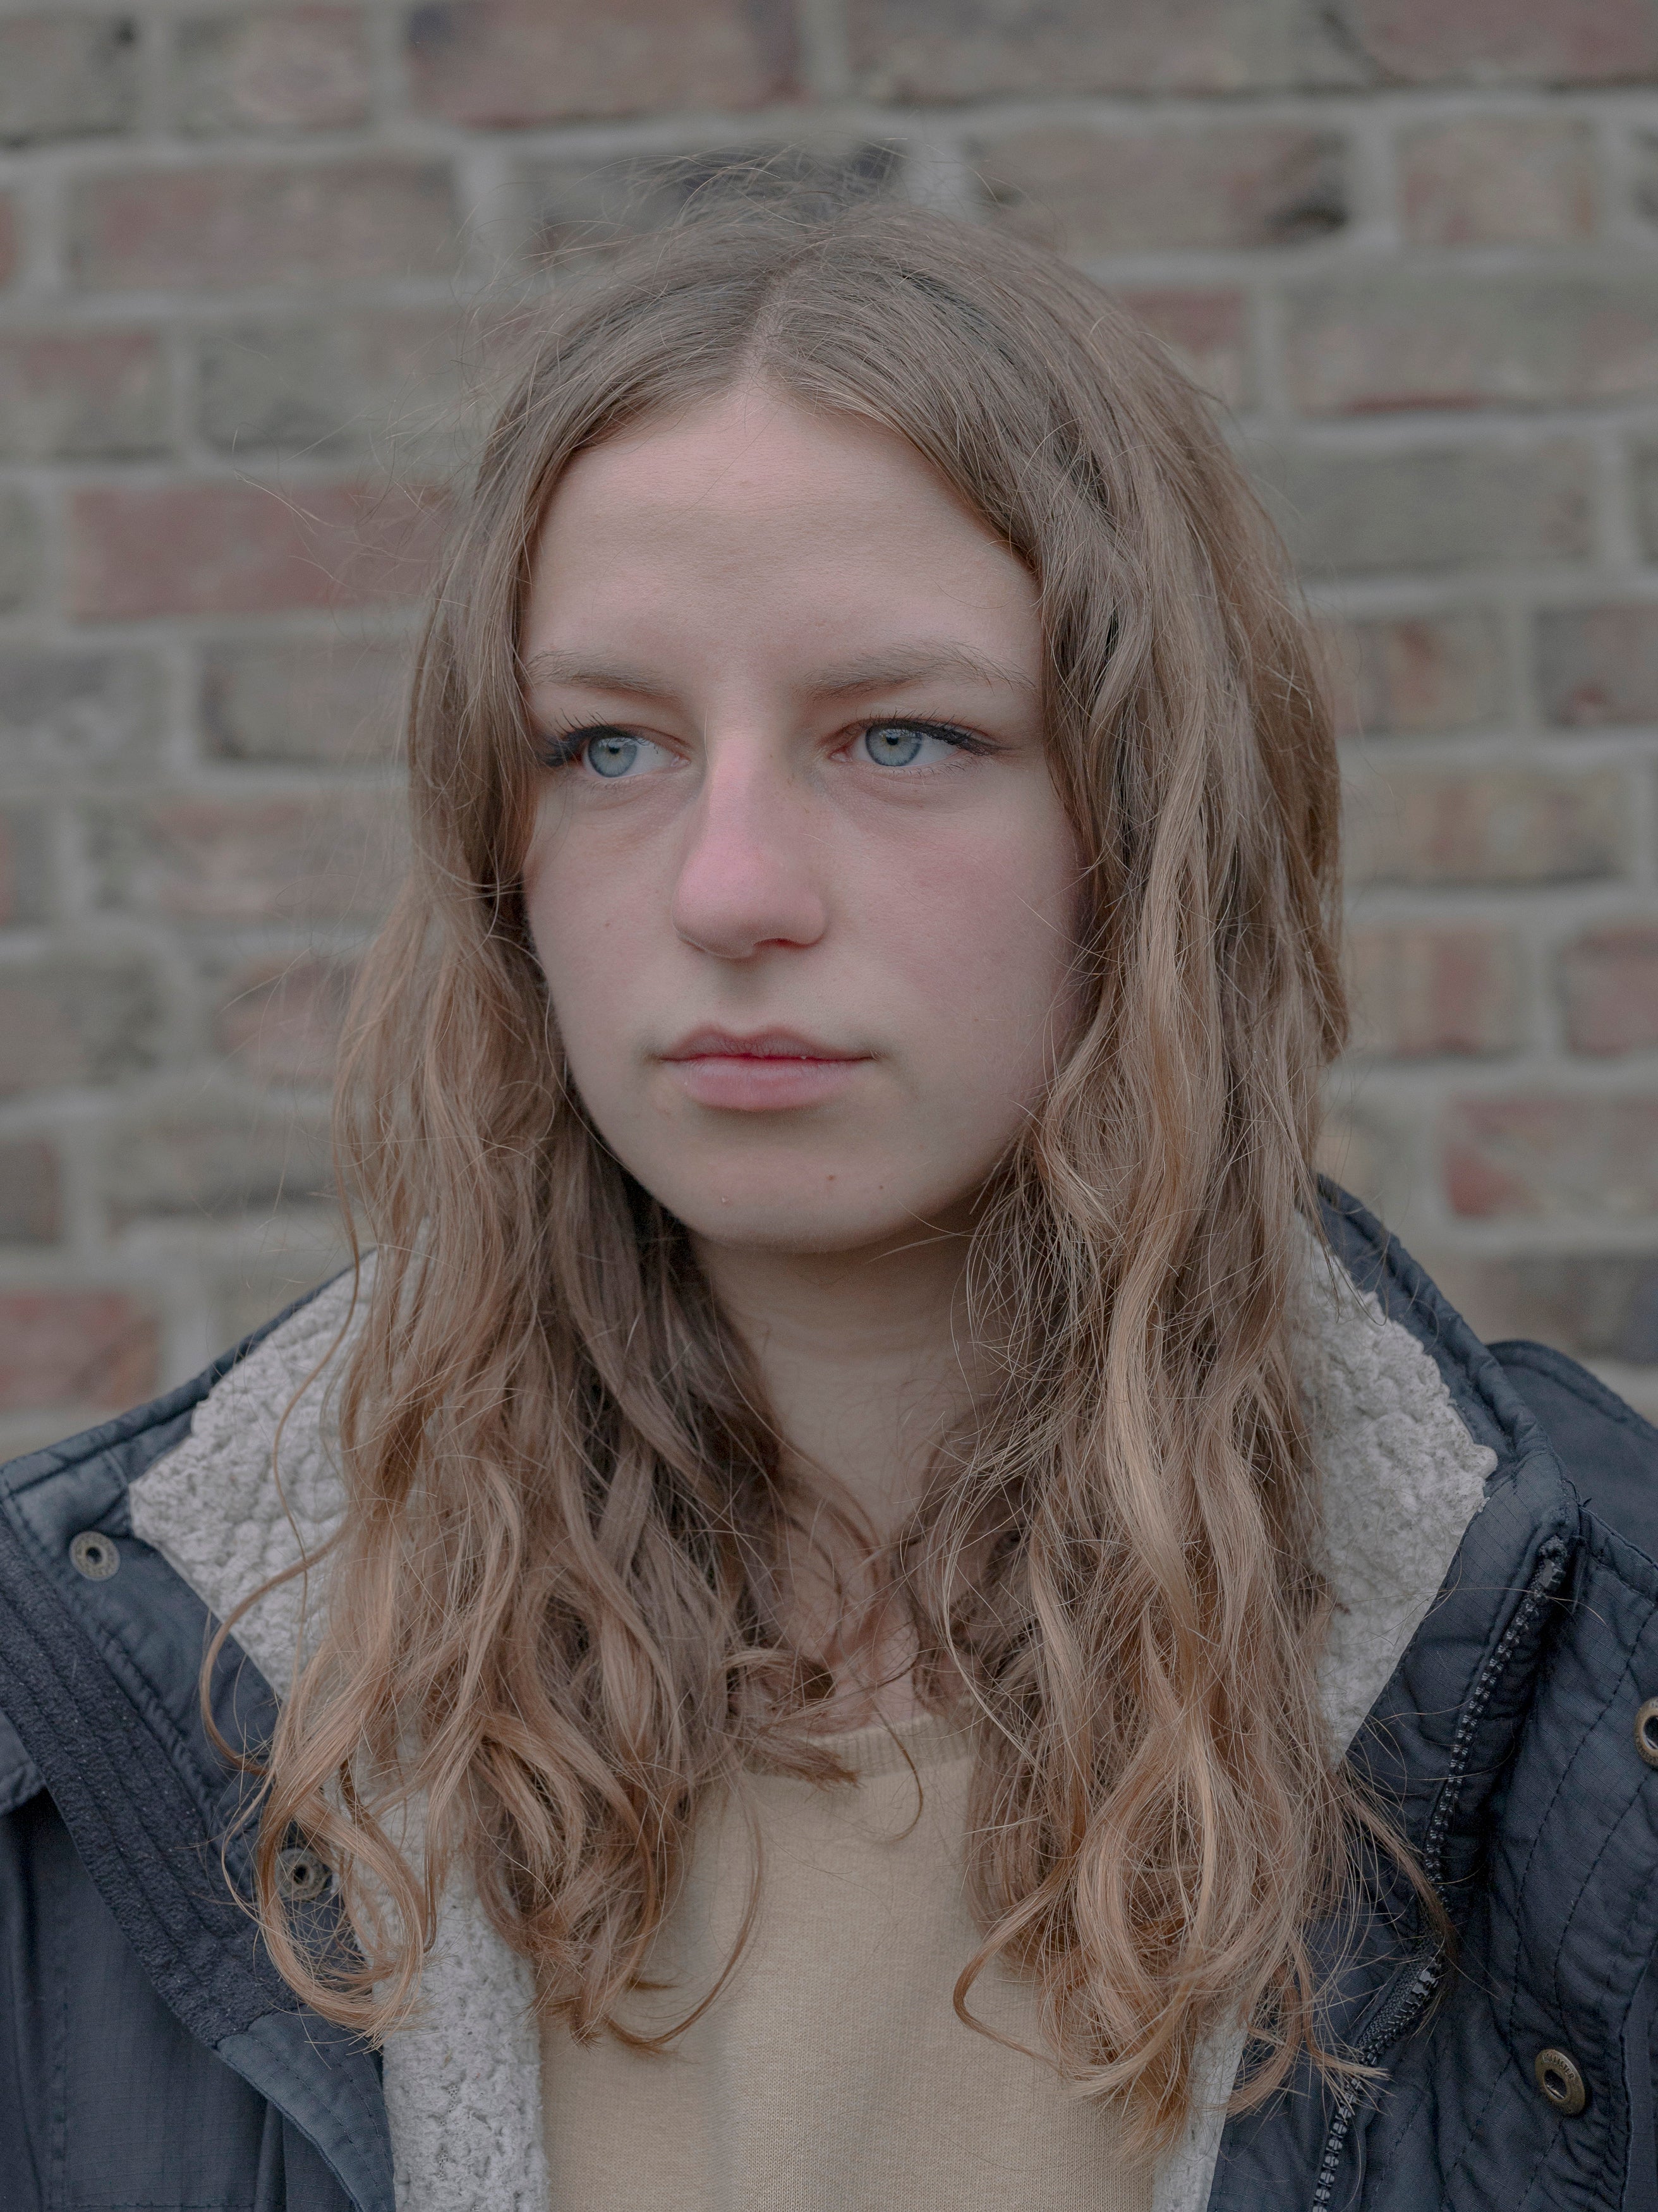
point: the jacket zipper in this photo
(1413, 2001)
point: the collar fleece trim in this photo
(1403, 1478)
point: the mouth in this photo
(765, 1044)
(770, 1071)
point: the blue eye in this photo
(612, 757)
(905, 745)
(613, 754)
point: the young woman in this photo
(870, 1600)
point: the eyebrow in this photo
(879, 671)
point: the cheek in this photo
(575, 917)
(986, 955)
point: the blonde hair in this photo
(552, 1613)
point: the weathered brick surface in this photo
(19, 549)
(1495, 825)
(546, 61)
(1505, 41)
(576, 209)
(31, 1211)
(1208, 333)
(75, 1020)
(71, 714)
(209, 1161)
(1424, 991)
(263, 265)
(1418, 510)
(280, 1020)
(1553, 1156)
(1596, 1306)
(1498, 181)
(324, 700)
(25, 868)
(275, 70)
(1597, 664)
(65, 73)
(1238, 184)
(230, 227)
(227, 548)
(1609, 983)
(73, 1348)
(1417, 674)
(196, 860)
(925, 50)
(73, 395)
(1362, 344)
(342, 384)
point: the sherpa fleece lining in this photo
(1403, 1478)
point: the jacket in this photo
(1504, 1688)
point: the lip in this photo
(766, 1073)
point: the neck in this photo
(864, 1357)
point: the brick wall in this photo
(250, 262)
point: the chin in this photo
(785, 1224)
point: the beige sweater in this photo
(831, 2074)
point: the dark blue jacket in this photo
(149, 2056)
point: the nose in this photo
(748, 878)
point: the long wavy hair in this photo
(552, 1620)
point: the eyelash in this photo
(563, 748)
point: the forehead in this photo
(756, 499)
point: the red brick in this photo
(220, 548)
(580, 208)
(1423, 992)
(220, 229)
(324, 385)
(282, 1018)
(214, 1162)
(274, 70)
(1493, 825)
(1609, 981)
(74, 1020)
(68, 395)
(251, 860)
(30, 1208)
(24, 871)
(19, 549)
(1209, 334)
(1429, 506)
(934, 50)
(1500, 180)
(1371, 1154)
(514, 62)
(1598, 665)
(1416, 674)
(70, 715)
(1596, 1306)
(329, 701)
(75, 1347)
(66, 73)
(1507, 41)
(1552, 1155)
(1227, 184)
(1405, 340)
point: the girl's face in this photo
(803, 891)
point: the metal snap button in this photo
(1558, 2079)
(302, 1874)
(93, 1555)
(1646, 1731)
